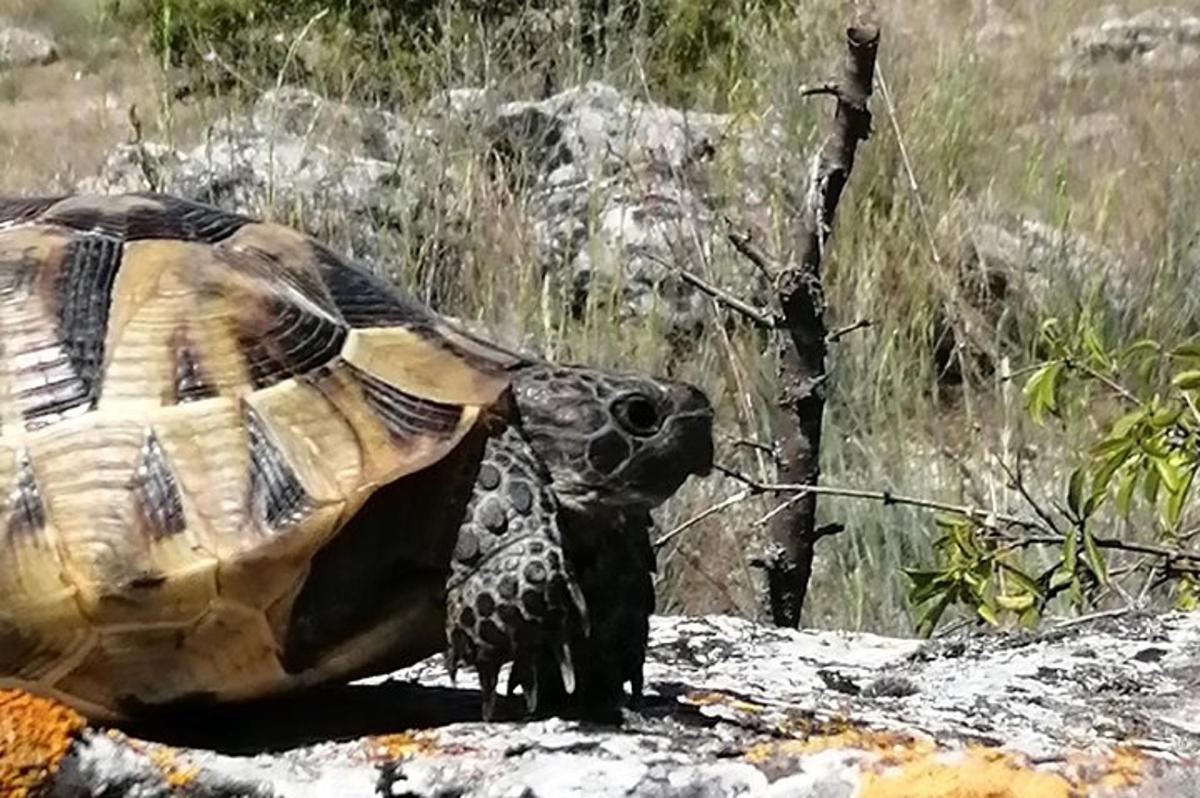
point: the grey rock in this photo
(1164, 38)
(622, 196)
(733, 709)
(1014, 268)
(617, 194)
(23, 47)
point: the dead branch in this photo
(841, 332)
(763, 318)
(745, 245)
(793, 531)
(1002, 524)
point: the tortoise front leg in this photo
(511, 595)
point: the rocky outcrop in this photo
(23, 47)
(1012, 270)
(616, 193)
(1164, 38)
(1106, 707)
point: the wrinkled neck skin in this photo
(588, 531)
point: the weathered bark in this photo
(793, 532)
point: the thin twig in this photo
(764, 319)
(1018, 481)
(985, 518)
(1113, 385)
(841, 332)
(829, 87)
(751, 252)
(1093, 616)
(721, 506)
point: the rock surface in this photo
(615, 193)
(1106, 707)
(1164, 38)
(22, 47)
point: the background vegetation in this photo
(927, 400)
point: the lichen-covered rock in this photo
(1164, 38)
(1102, 708)
(23, 47)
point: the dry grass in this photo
(983, 123)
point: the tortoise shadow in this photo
(331, 713)
(347, 712)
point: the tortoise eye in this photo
(637, 414)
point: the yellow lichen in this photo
(390, 747)
(176, 770)
(890, 747)
(35, 734)
(705, 699)
(973, 773)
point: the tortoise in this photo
(238, 465)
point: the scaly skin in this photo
(553, 568)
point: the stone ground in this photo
(1104, 707)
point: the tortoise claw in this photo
(488, 676)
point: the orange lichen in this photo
(705, 699)
(390, 747)
(177, 771)
(973, 773)
(35, 734)
(1123, 766)
(890, 747)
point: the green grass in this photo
(986, 126)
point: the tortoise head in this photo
(614, 440)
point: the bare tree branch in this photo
(841, 332)
(1000, 523)
(762, 318)
(793, 531)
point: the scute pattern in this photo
(291, 343)
(181, 429)
(138, 217)
(156, 492)
(277, 497)
(406, 415)
(83, 290)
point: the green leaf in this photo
(1172, 476)
(1095, 558)
(1112, 445)
(1096, 349)
(1022, 580)
(1075, 487)
(1070, 553)
(1060, 578)
(1040, 391)
(932, 614)
(1189, 350)
(1125, 424)
(1165, 417)
(988, 614)
(1187, 380)
(1125, 491)
(1173, 507)
(1150, 485)
(1107, 468)
(1145, 345)
(1015, 602)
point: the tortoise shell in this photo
(193, 404)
